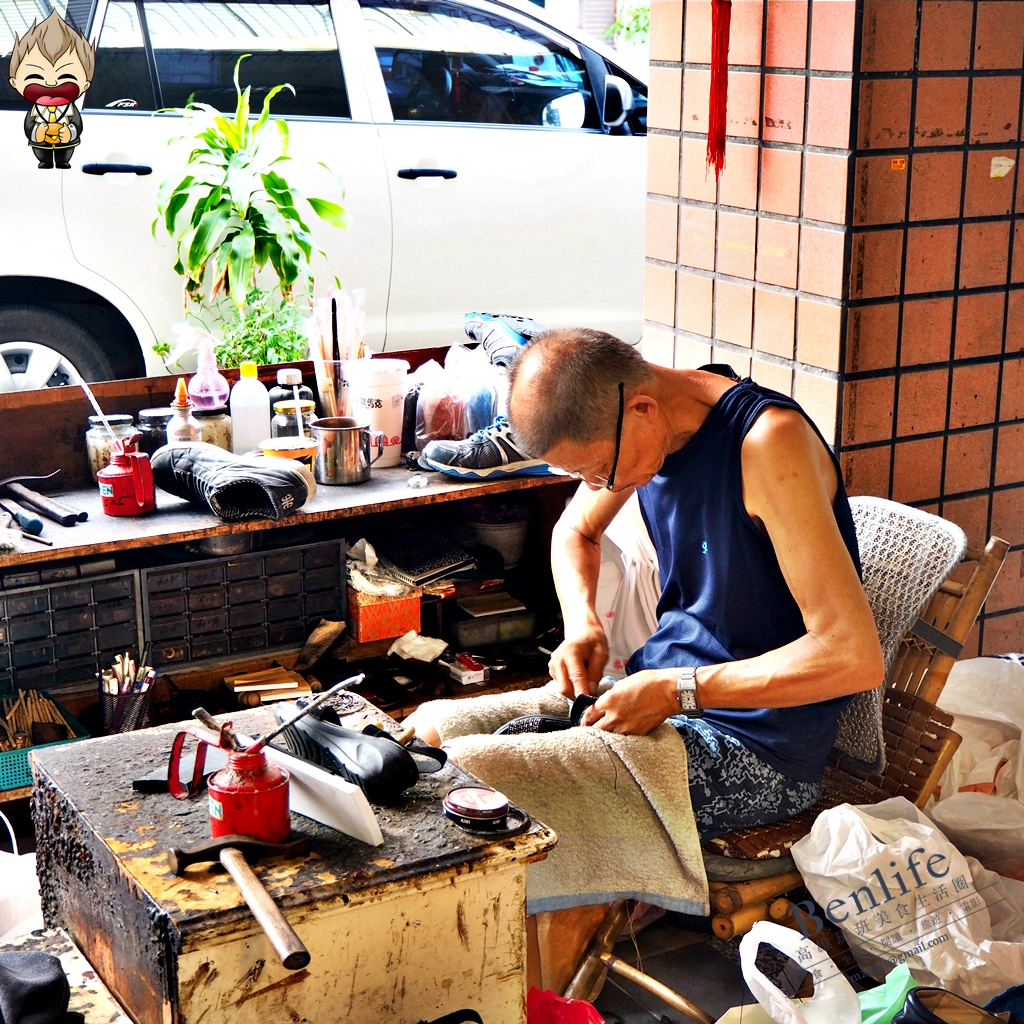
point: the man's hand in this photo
(578, 662)
(64, 133)
(636, 704)
(41, 133)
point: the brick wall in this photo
(861, 250)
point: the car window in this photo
(195, 45)
(16, 17)
(443, 62)
(122, 79)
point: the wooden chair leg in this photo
(946, 752)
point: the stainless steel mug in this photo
(343, 450)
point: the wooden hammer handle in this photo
(286, 943)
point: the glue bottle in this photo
(208, 389)
(183, 427)
(250, 411)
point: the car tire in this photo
(27, 332)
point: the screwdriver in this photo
(28, 521)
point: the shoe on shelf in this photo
(937, 1006)
(491, 452)
(234, 487)
(502, 335)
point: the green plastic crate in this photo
(15, 769)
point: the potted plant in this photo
(234, 214)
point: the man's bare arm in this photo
(577, 664)
(789, 486)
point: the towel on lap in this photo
(619, 804)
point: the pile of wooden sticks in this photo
(18, 715)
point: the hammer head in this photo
(251, 849)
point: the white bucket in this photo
(376, 393)
(508, 539)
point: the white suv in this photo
(472, 137)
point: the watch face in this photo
(688, 700)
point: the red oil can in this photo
(126, 484)
(249, 797)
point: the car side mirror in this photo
(618, 101)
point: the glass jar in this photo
(284, 423)
(99, 445)
(216, 426)
(153, 428)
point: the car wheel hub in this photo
(28, 365)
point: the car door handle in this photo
(139, 169)
(426, 172)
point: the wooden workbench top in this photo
(83, 793)
(175, 520)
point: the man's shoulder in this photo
(778, 426)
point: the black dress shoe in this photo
(936, 1006)
(234, 487)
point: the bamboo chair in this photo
(749, 868)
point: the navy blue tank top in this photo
(723, 595)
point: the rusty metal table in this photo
(430, 922)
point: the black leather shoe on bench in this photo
(234, 487)
(936, 1006)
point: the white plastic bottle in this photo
(250, 411)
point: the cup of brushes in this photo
(126, 689)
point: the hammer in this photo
(14, 487)
(234, 852)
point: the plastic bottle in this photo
(182, 427)
(208, 389)
(250, 411)
(287, 380)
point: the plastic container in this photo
(376, 393)
(493, 629)
(208, 388)
(182, 427)
(287, 380)
(284, 423)
(250, 411)
(215, 425)
(508, 539)
(100, 445)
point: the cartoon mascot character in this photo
(51, 66)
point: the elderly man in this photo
(764, 631)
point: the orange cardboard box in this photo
(377, 618)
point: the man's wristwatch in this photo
(686, 692)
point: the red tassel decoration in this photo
(721, 19)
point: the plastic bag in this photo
(990, 828)
(544, 1007)
(833, 1002)
(903, 894)
(475, 379)
(439, 406)
(20, 909)
(880, 1005)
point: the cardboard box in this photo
(378, 618)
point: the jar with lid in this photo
(99, 445)
(182, 427)
(288, 380)
(284, 423)
(215, 425)
(153, 428)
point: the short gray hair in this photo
(576, 389)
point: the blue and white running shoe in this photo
(501, 334)
(491, 452)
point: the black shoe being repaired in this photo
(936, 1006)
(234, 487)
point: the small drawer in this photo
(210, 646)
(207, 622)
(321, 556)
(71, 597)
(3, 631)
(205, 575)
(173, 628)
(32, 654)
(282, 562)
(158, 582)
(206, 599)
(58, 574)
(75, 669)
(244, 568)
(34, 628)
(27, 604)
(162, 605)
(246, 591)
(279, 633)
(322, 579)
(320, 604)
(284, 609)
(74, 646)
(246, 615)
(115, 611)
(37, 678)
(71, 620)
(165, 654)
(111, 590)
(124, 636)
(284, 586)
(248, 639)
(5, 659)
(21, 579)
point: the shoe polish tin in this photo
(477, 808)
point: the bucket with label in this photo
(376, 394)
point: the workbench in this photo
(430, 922)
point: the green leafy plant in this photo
(269, 331)
(633, 23)
(233, 213)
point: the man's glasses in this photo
(609, 482)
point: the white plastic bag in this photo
(833, 1002)
(990, 828)
(20, 909)
(903, 894)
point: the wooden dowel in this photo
(732, 896)
(726, 926)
